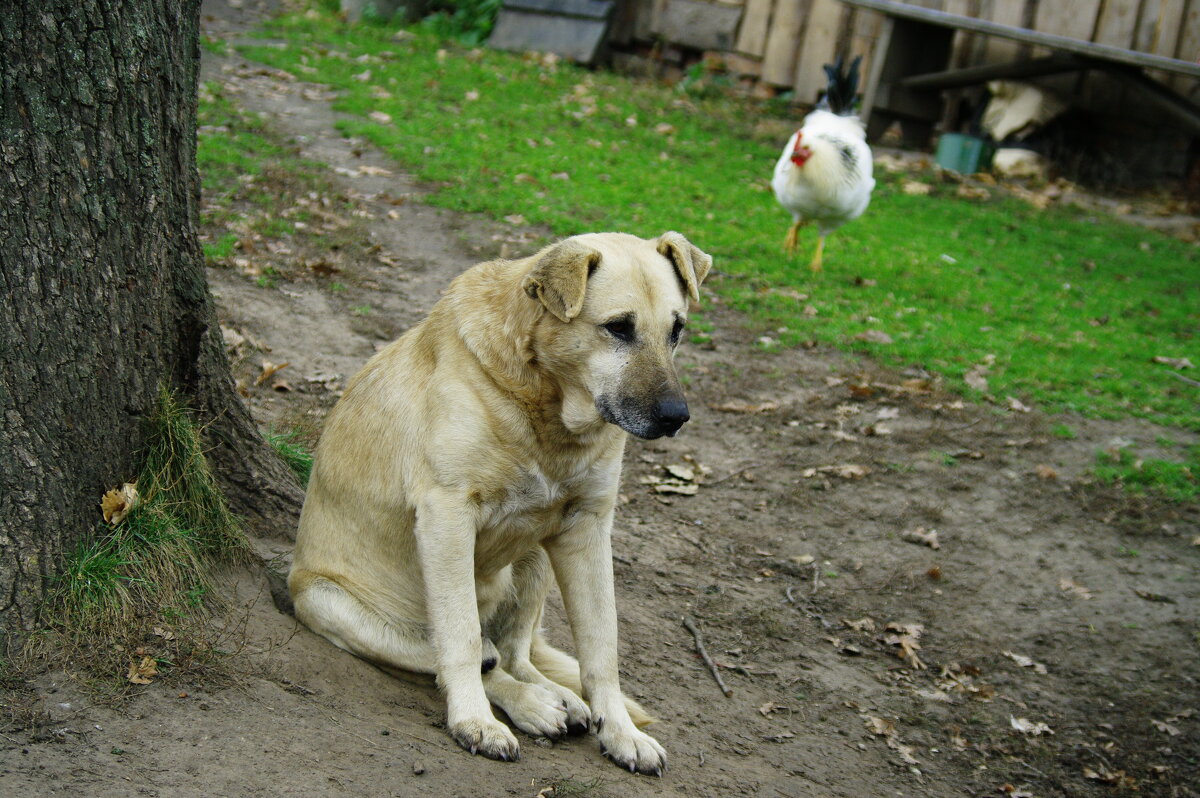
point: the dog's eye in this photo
(676, 331)
(621, 329)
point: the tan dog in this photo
(478, 453)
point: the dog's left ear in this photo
(559, 278)
(691, 264)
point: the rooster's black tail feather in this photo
(843, 86)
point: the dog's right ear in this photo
(559, 278)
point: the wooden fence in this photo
(782, 44)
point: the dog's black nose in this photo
(671, 414)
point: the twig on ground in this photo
(733, 474)
(816, 579)
(791, 599)
(712, 666)
(1188, 380)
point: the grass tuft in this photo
(1176, 481)
(146, 584)
(298, 456)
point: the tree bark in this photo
(104, 295)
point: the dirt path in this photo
(793, 556)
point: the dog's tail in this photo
(562, 668)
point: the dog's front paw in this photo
(631, 749)
(534, 710)
(487, 736)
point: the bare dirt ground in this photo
(1044, 643)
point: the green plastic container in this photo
(959, 152)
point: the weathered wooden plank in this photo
(1003, 12)
(1160, 27)
(818, 49)
(756, 21)
(694, 23)
(779, 60)
(864, 37)
(1075, 20)
(1049, 40)
(1117, 22)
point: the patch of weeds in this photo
(947, 459)
(1128, 552)
(1064, 432)
(468, 21)
(221, 249)
(337, 288)
(143, 588)
(566, 787)
(361, 310)
(267, 278)
(1176, 481)
(298, 456)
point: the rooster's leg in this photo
(793, 234)
(816, 261)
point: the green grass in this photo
(1174, 480)
(243, 167)
(298, 456)
(1071, 306)
(155, 566)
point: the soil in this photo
(861, 660)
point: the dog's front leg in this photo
(582, 560)
(445, 533)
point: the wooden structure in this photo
(574, 29)
(913, 53)
(780, 45)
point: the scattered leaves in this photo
(915, 188)
(861, 625)
(881, 727)
(1117, 778)
(1045, 472)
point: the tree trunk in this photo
(104, 296)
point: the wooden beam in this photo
(972, 76)
(1050, 40)
(820, 43)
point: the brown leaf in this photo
(1032, 728)
(1073, 588)
(141, 672)
(861, 625)
(1174, 362)
(269, 369)
(381, 117)
(915, 188)
(118, 502)
(1045, 472)
(766, 709)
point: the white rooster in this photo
(824, 174)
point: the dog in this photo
(476, 458)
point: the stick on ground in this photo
(712, 666)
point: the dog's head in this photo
(617, 305)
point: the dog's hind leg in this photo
(513, 627)
(334, 613)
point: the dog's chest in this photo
(530, 502)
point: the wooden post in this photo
(818, 49)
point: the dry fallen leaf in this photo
(1016, 404)
(766, 709)
(141, 672)
(381, 117)
(1026, 662)
(682, 472)
(861, 625)
(269, 369)
(874, 337)
(1070, 586)
(1166, 728)
(915, 188)
(919, 535)
(1045, 472)
(117, 503)
(905, 637)
(1032, 728)
(1115, 777)
(374, 171)
(1174, 362)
